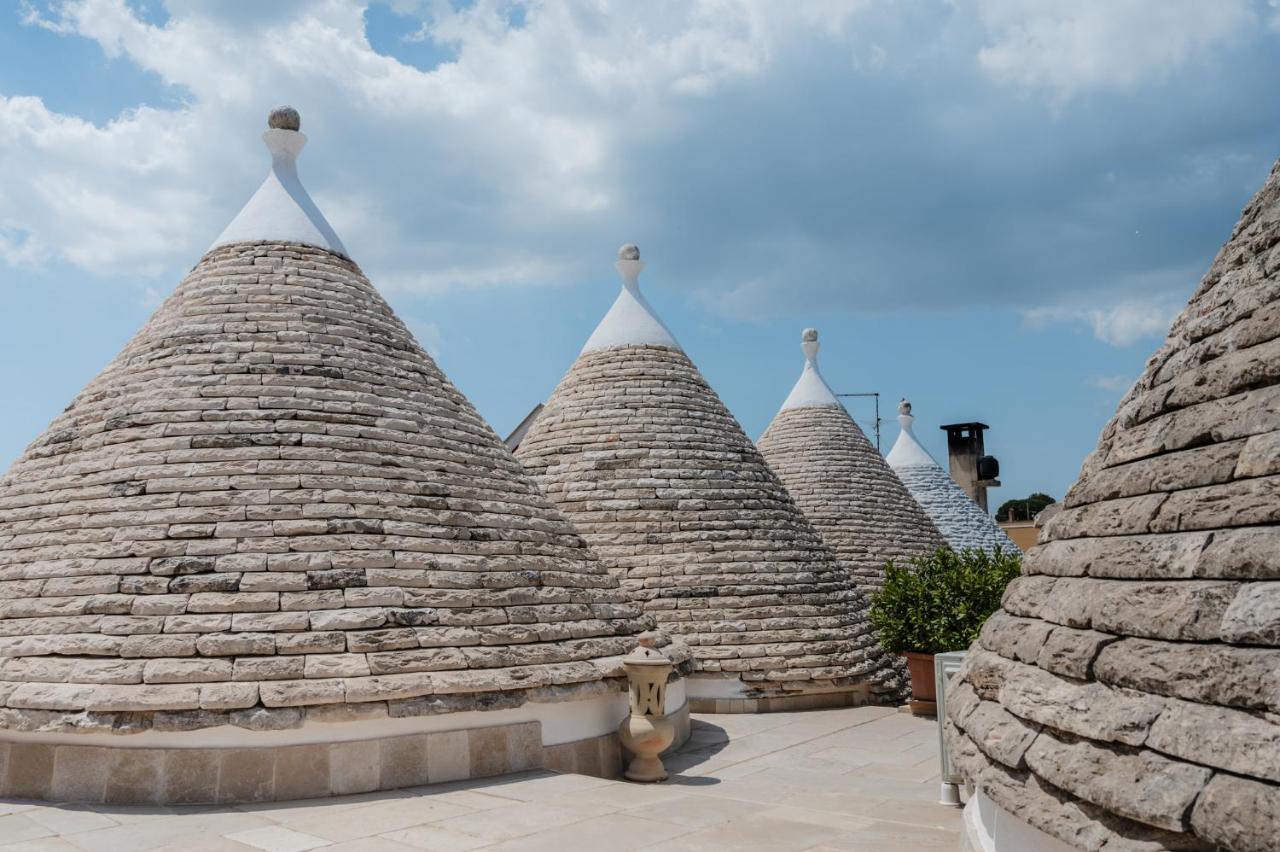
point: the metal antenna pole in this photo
(875, 394)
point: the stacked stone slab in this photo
(1127, 696)
(865, 515)
(646, 461)
(273, 509)
(962, 522)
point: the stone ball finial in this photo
(630, 251)
(284, 118)
(809, 335)
(904, 407)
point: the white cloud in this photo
(524, 129)
(741, 136)
(117, 196)
(1110, 383)
(1120, 324)
(1070, 47)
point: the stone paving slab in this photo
(858, 778)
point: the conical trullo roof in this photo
(1127, 696)
(841, 482)
(657, 475)
(272, 505)
(960, 520)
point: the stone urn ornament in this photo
(647, 732)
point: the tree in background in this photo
(1025, 509)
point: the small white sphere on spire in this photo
(809, 335)
(904, 407)
(630, 251)
(284, 118)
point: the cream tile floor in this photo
(860, 778)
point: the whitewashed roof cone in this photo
(811, 390)
(961, 521)
(658, 476)
(841, 482)
(281, 210)
(631, 321)
(273, 506)
(1126, 694)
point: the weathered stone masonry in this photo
(272, 499)
(1128, 695)
(847, 491)
(646, 461)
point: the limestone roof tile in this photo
(864, 513)
(640, 453)
(961, 521)
(1142, 641)
(274, 497)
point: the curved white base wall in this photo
(227, 764)
(990, 828)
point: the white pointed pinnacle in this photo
(907, 451)
(631, 321)
(809, 344)
(281, 210)
(629, 265)
(811, 390)
(905, 418)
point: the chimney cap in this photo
(956, 427)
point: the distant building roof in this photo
(960, 520)
(865, 514)
(522, 428)
(658, 476)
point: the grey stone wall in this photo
(1128, 695)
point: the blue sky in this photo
(993, 207)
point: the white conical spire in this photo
(631, 321)
(811, 390)
(281, 210)
(908, 450)
(962, 522)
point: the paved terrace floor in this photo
(858, 778)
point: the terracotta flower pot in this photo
(924, 692)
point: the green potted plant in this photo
(938, 603)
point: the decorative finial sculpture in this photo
(631, 321)
(629, 266)
(647, 732)
(282, 210)
(284, 118)
(809, 345)
(905, 417)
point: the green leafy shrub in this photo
(938, 603)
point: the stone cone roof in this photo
(961, 521)
(650, 466)
(1128, 693)
(864, 513)
(274, 498)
